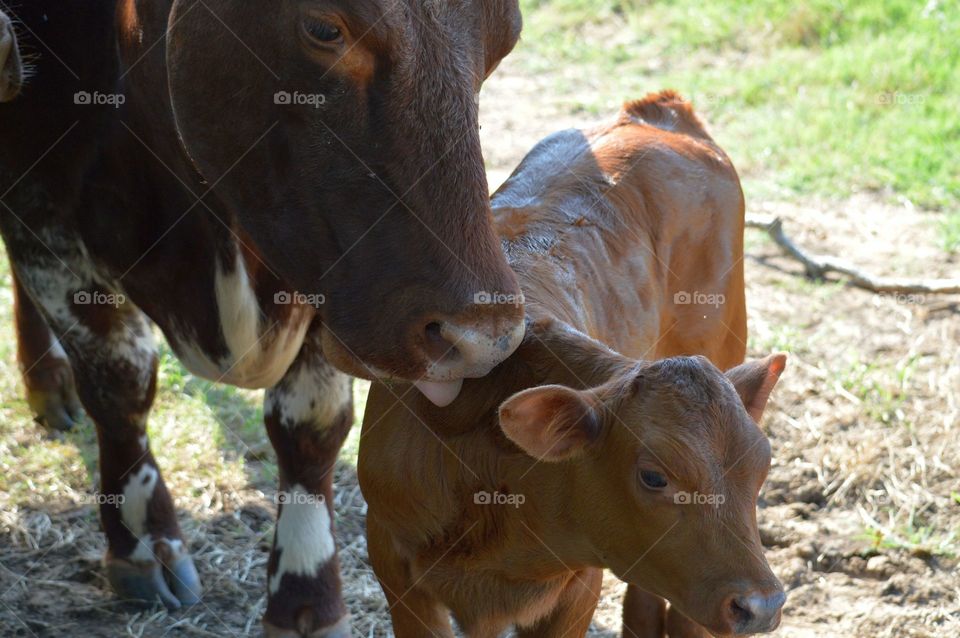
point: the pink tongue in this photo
(440, 393)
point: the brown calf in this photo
(571, 456)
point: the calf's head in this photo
(11, 65)
(668, 461)
(344, 135)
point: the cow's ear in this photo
(552, 422)
(754, 382)
(502, 23)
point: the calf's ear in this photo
(552, 422)
(754, 382)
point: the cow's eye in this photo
(323, 31)
(653, 480)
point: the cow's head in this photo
(11, 65)
(668, 463)
(344, 136)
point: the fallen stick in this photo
(817, 266)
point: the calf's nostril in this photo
(755, 612)
(740, 612)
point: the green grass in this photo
(823, 97)
(916, 538)
(950, 232)
(882, 389)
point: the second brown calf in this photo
(600, 443)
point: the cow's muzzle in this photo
(458, 350)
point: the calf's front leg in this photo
(574, 610)
(308, 415)
(414, 611)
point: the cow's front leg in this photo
(308, 415)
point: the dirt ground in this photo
(860, 515)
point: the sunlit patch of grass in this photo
(916, 538)
(351, 447)
(881, 389)
(826, 97)
(950, 232)
(779, 338)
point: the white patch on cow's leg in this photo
(136, 496)
(312, 395)
(304, 539)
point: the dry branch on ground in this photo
(817, 266)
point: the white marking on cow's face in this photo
(136, 496)
(259, 352)
(309, 395)
(304, 538)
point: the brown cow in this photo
(290, 190)
(571, 456)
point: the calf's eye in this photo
(653, 480)
(323, 31)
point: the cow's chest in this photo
(241, 338)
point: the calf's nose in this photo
(755, 612)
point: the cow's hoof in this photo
(53, 398)
(306, 629)
(174, 582)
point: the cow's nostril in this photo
(437, 347)
(464, 349)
